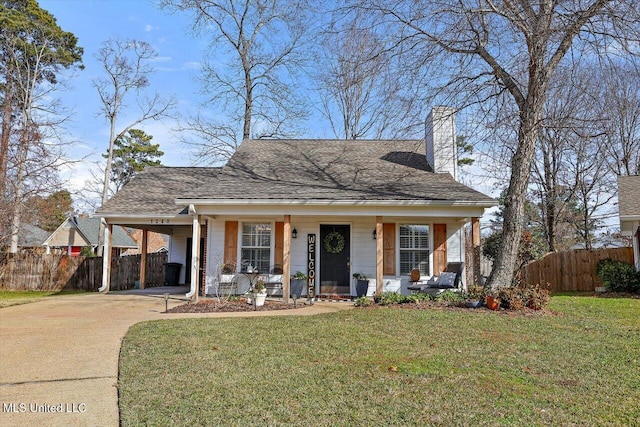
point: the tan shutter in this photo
(389, 251)
(440, 248)
(231, 242)
(278, 256)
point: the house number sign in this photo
(160, 221)
(311, 266)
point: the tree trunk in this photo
(506, 261)
(6, 130)
(23, 152)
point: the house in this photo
(629, 211)
(330, 208)
(30, 238)
(156, 242)
(78, 232)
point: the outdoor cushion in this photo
(445, 281)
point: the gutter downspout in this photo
(106, 257)
(195, 255)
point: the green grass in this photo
(9, 298)
(580, 367)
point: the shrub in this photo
(518, 297)
(450, 297)
(363, 302)
(419, 297)
(618, 276)
(391, 298)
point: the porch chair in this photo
(274, 281)
(227, 280)
(449, 279)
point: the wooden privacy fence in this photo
(56, 272)
(572, 270)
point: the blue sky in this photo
(179, 55)
(177, 69)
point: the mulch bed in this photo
(214, 306)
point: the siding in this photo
(363, 246)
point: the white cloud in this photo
(148, 28)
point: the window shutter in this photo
(231, 242)
(278, 256)
(389, 249)
(440, 248)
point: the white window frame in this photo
(429, 248)
(241, 245)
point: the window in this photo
(414, 249)
(256, 246)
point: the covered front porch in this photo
(213, 246)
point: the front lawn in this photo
(388, 366)
(9, 298)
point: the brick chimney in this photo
(440, 141)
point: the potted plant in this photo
(298, 280)
(474, 296)
(492, 301)
(259, 293)
(362, 284)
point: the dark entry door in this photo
(334, 259)
(187, 272)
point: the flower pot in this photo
(361, 288)
(492, 303)
(473, 303)
(297, 286)
(601, 289)
(260, 298)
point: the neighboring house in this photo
(77, 232)
(30, 238)
(328, 207)
(629, 211)
(156, 242)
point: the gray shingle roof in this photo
(333, 170)
(31, 236)
(300, 170)
(155, 190)
(90, 228)
(629, 195)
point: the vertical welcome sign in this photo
(311, 266)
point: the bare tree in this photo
(509, 47)
(255, 87)
(127, 64)
(360, 91)
(619, 92)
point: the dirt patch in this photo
(214, 306)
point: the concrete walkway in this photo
(59, 357)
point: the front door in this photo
(335, 250)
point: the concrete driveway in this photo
(59, 357)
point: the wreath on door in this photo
(334, 243)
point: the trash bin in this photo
(172, 273)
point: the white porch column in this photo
(106, 257)
(143, 257)
(379, 256)
(286, 260)
(475, 247)
(195, 254)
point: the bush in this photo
(363, 302)
(618, 276)
(450, 297)
(390, 298)
(518, 297)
